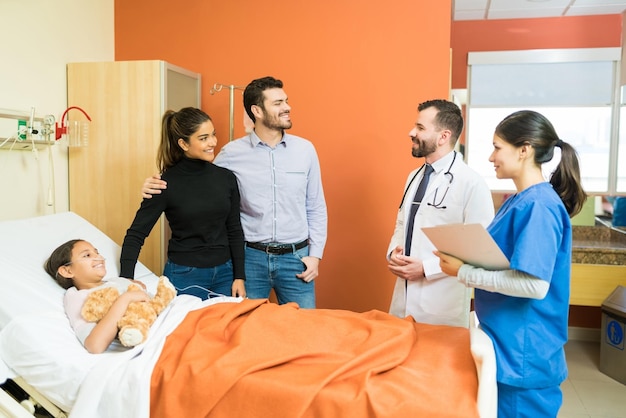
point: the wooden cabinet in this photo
(592, 283)
(125, 100)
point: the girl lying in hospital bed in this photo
(226, 356)
(77, 267)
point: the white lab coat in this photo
(439, 299)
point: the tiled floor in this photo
(589, 393)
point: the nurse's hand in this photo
(407, 268)
(449, 264)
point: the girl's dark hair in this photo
(532, 128)
(61, 256)
(176, 125)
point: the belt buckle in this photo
(277, 249)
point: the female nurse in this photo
(525, 309)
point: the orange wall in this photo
(354, 73)
(517, 34)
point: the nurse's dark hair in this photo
(448, 117)
(253, 93)
(532, 128)
(174, 126)
(61, 256)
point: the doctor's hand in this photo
(153, 185)
(312, 268)
(407, 268)
(449, 264)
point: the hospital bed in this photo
(40, 355)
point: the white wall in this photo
(39, 37)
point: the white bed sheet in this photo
(116, 384)
(109, 385)
(5, 372)
(485, 359)
(120, 385)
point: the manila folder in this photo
(470, 243)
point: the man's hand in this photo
(407, 268)
(153, 185)
(312, 266)
(394, 257)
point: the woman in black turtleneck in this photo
(201, 203)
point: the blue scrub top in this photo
(533, 230)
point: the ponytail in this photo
(566, 180)
(169, 153)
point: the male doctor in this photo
(454, 193)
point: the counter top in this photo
(599, 245)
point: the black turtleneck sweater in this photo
(201, 204)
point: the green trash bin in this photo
(612, 353)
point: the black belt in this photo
(275, 248)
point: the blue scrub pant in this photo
(265, 272)
(203, 282)
(514, 402)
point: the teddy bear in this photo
(139, 316)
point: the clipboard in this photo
(470, 243)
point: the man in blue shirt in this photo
(283, 209)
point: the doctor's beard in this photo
(424, 148)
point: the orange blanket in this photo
(258, 359)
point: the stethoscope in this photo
(434, 204)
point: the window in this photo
(574, 88)
(620, 150)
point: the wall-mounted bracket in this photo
(36, 133)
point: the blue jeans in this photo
(265, 272)
(204, 282)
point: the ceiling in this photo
(524, 9)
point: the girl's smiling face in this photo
(87, 267)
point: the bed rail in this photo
(18, 399)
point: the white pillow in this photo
(5, 372)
